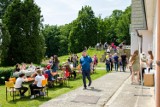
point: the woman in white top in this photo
(37, 83)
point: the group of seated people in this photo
(24, 66)
(35, 85)
(40, 75)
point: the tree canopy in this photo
(22, 20)
(25, 38)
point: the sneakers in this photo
(32, 97)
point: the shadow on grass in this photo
(27, 98)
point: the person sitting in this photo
(17, 69)
(37, 84)
(50, 76)
(18, 84)
(23, 67)
(70, 72)
(31, 67)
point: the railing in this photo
(126, 47)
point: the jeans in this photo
(107, 67)
(22, 90)
(84, 75)
(116, 66)
(32, 87)
(124, 66)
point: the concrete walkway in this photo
(111, 90)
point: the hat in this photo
(48, 67)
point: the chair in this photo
(12, 79)
(43, 89)
(10, 88)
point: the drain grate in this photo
(86, 99)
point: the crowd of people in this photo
(116, 60)
(68, 69)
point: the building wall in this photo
(155, 31)
(138, 21)
(147, 41)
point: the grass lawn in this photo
(53, 92)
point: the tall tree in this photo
(84, 30)
(52, 38)
(23, 20)
(5, 45)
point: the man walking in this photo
(85, 62)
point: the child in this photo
(18, 85)
(107, 63)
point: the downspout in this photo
(157, 81)
(140, 36)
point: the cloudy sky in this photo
(60, 12)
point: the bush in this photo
(5, 73)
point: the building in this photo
(145, 34)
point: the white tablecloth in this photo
(26, 72)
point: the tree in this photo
(23, 20)
(84, 30)
(102, 30)
(3, 6)
(5, 44)
(122, 29)
(51, 34)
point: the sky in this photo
(60, 12)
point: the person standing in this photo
(116, 61)
(85, 63)
(150, 60)
(135, 66)
(124, 61)
(107, 63)
(111, 61)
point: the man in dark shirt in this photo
(116, 61)
(124, 61)
(85, 62)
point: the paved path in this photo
(111, 90)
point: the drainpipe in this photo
(140, 36)
(157, 82)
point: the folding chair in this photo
(10, 88)
(12, 79)
(43, 89)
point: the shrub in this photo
(5, 73)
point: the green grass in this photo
(53, 92)
(91, 52)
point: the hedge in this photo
(5, 73)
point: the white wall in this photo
(134, 42)
(155, 32)
(147, 41)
